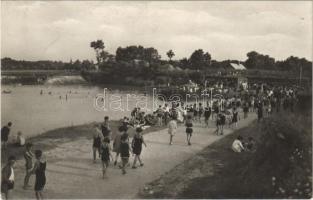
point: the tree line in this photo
(143, 60)
(12, 64)
(198, 60)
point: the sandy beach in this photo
(71, 172)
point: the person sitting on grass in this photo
(105, 152)
(137, 146)
(237, 145)
(250, 145)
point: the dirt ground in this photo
(71, 172)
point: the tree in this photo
(76, 65)
(170, 54)
(259, 61)
(151, 55)
(294, 64)
(103, 56)
(87, 65)
(207, 59)
(183, 63)
(131, 53)
(98, 47)
(199, 59)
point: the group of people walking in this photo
(121, 145)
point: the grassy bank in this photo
(279, 168)
(53, 138)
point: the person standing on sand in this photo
(160, 114)
(124, 149)
(195, 112)
(97, 137)
(137, 146)
(28, 155)
(189, 129)
(207, 114)
(39, 169)
(7, 177)
(117, 142)
(5, 132)
(166, 113)
(235, 117)
(105, 152)
(172, 127)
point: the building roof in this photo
(238, 66)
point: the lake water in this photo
(34, 114)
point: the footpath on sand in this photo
(71, 172)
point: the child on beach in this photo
(124, 149)
(97, 137)
(105, 128)
(189, 129)
(28, 155)
(105, 152)
(172, 127)
(137, 146)
(39, 169)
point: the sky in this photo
(63, 30)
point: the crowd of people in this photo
(222, 111)
(38, 169)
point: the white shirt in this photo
(237, 146)
(11, 178)
(166, 109)
(21, 140)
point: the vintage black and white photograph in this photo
(156, 99)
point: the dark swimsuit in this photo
(137, 145)
(40, 176)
